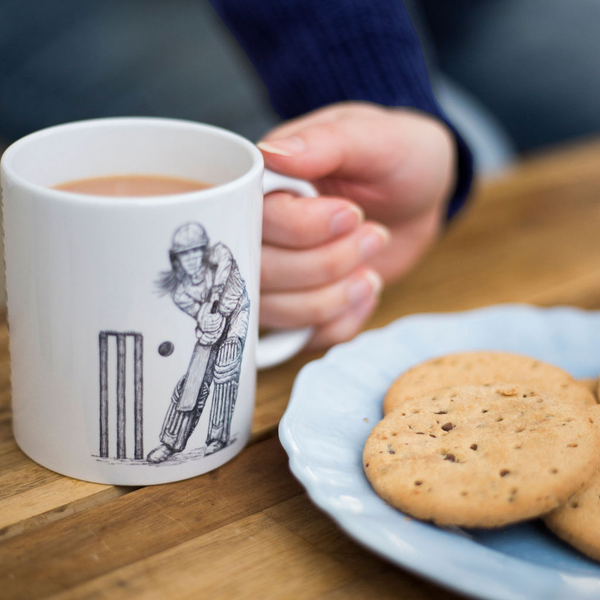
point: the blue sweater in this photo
(311, 53)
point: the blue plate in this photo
(337, 400)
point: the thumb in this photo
(358, 148)
(311, 153)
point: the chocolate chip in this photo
(504, 472)
(418, 482)
(441, 412)
(473, 446)
(447, 426)
(450, 457)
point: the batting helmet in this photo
(189, 236)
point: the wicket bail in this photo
(121, 395)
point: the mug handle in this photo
(279, 346)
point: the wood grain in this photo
(261, 558)
(145, 522)
(529, 247)
(291, 550)
(45, 503)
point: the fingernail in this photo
(374, 241)
(368, 285)
(346, 220)
(290, 146)
(376, 281)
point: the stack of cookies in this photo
(485, 439)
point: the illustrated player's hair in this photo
(168, 281)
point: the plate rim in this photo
(541, 581)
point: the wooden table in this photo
(248, 530)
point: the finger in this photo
(362, 147)
(292, 222)
(327, 114)
(284, 269)
(315, 307)
(345, 327)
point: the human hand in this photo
(396, 166)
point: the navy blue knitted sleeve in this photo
(311, 53)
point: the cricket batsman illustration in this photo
(205, 282)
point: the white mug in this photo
(134, 321)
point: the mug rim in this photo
(74, 197)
